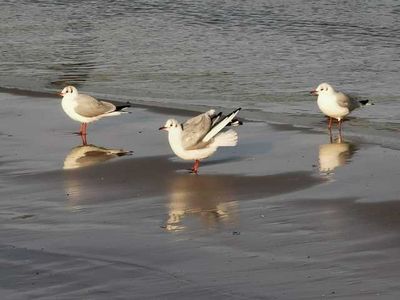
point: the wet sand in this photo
(284, 215)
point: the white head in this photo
(323, 89)
(171, 125)
(69, 90)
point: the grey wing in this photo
(90, 107)
(195, 129)
(347, 101)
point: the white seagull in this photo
(199, 137)
(85, 109)
(336, 105)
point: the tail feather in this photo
(225, 139)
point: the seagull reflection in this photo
(87, 155)
(335, 154)
(205, 197)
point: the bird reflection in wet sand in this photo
(335, 154)
(205, 197)
(87, 155)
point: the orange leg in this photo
(195, 168)
(83, 133)
(330, 123)
(83, 129)
(84, 140)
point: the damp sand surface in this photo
(286, 214)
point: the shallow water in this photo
(264, 55)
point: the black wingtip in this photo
(235, 111)
(365, 102)
(235, 122)
(122, 106)
(217, 116)
(232, 113)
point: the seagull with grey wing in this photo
(336, 105)
(199, 137)
(86, 109)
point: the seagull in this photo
(199, 137)
(336, 105)
(85, 109)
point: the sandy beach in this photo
(284, 215)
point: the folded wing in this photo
(347, 101)
(90, 107)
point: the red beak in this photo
(60, 94)
(314, 93)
